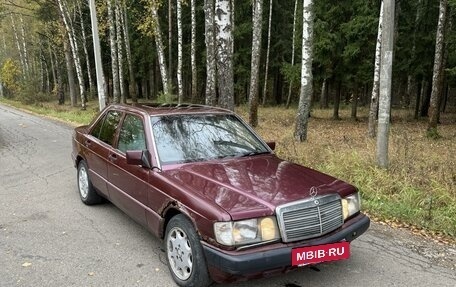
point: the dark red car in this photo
(225, 206)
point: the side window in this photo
(131, 135)
(96, 130)
(106, 128)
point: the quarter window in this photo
(131, 135)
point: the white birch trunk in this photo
(376, 84)
(193, 52)
(180, 91)
(120, 52)
(209, 26)
(19, 48)
(24, 46)
(436, 94)
(266, 72)
(160, 50)
(74, 50)
(132, 83)
(114, 56)
(305, 97)
(255, 62)
(385, 83)
(224, 53)
(86, 53)
(232, 22)
(170, 44)
(292, 51)
(101, 83)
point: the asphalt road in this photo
(49, 238)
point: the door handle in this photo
(113, 157)
(87, 143)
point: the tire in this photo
(86, 190)
(184, 253)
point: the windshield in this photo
(190, 138)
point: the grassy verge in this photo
(66, 113)
(418, 190)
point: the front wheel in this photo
(185, 254)
(87, 192)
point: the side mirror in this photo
(271, 145)
(138, 157)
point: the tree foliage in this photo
(343, 46)
(10, 77)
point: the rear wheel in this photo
(87, 192)
(185, 254)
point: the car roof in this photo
(155, 109)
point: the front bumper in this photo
(224, 265)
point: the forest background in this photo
(241, 54)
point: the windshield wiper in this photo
(254, 153)
(235, 144)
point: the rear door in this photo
(97, 146)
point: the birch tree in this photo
(255, 62)
(131, 74)
(209, 27)
(266, 68)
(160, 49)
(179, 52)
(193, 51)
(305, 96)
(18, 45)
(376, 84)
(385, 83)
(24, 46)
(86, 53)
(74, 49)
(114, 55)
(170, 44)
(224, 53)
(292, 52)
(120, 51)
(436, 94)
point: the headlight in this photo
(248, 231)
(351, 205)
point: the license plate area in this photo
(320, 253)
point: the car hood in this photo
(254, 186)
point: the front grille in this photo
(309, 218)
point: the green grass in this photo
(72, 115)
(418, 190)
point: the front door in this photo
(128, 184)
